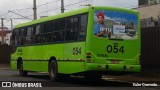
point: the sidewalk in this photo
(2, 66)
(134, 78)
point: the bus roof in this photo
(70, 13)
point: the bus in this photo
(90, 42)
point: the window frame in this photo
(52, 23)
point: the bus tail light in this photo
(88, 53)
(88, 57)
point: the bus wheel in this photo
(21, 71)
(93, 76)
(53, 71)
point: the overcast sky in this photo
(48, 7)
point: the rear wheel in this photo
(53, 71)
(21, 71)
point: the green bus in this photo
(90, 41)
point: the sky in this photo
(51, 7)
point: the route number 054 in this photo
(115, 48)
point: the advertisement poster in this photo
(115, 25)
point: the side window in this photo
(72, 29)
(22, 36)
(83, 27)
(59, 24)
(47, 27)
(29, 31)
(69, 23)
(38, 34)
(59, 28)
(29, 37)
(76, 22)
(15, 36)
(38, 29)
(47, 32)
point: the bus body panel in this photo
(101, 59)
(36, 58)
(72, 56)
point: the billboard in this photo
(115, 25)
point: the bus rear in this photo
(113, 40)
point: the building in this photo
(8, 38)
(148, 2)
(4, 28)
(5, 36)
(149, 12)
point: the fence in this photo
(150, 51)
(5, 54)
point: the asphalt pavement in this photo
(7, 75)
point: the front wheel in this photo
(53, 71)
(21, 71)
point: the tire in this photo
(93, 76)
(21, 71)
(53, 71)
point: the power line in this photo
(22, 9)
(76, 3)
(37, 6)
(47, 3)
(27, 17)
(51, 9)
(19, 15)
(43, 11)
(60, 7)
(3, 14)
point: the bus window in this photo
(29, 35)
(72, 28)
(38, 30)
(29, 31)
(59, 27)
(47, 27)
(38, 35)
(58, 36)
(47, 37)
(76, 22)
(47, 32)
(83, 27)
(14, 41)
(22, 36)
(16, 37)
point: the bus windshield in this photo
(115, 25)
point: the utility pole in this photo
(62, 6)
(34, 10)
(2, 25)
(11, 24)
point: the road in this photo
(77, 83)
